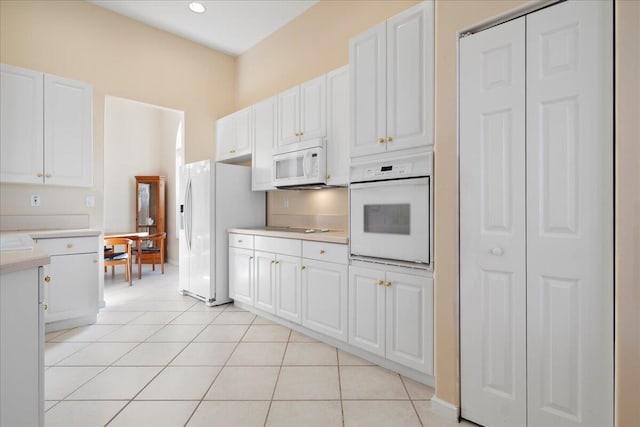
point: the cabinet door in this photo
(243, 133)
(73, 289)
(264, 137)
(313, 107)
(225, 137)
(410, 321)
(570, 271)
(68, 132)
(324, 298)
(288, 118)
(288, 287)
(265, 281)
(338, 129)
(367, 60)
(21, 125)
(410, 78)
(492, 226)
(241, 275)
(367, 309)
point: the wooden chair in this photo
(113, 257)
(153, 253)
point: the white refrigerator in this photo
(214, 197)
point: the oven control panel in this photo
(388, 171)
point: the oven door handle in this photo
(391, 182)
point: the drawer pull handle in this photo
(380, 282)
(303, 267)
(69, 245)
(321, 251)
(47, 278)
(388, 284)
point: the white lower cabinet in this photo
(71, 281)
(288, 288)
(391, 315)
(324, 298)
(241, 274)
(21, 349)
(265, 281)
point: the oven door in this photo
(390, 219)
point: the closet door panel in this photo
(569, 215)
(492, 226)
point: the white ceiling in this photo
(231, 26)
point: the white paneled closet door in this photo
(536, 217)
(570, 215)
(492, 239)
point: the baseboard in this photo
(444, 408)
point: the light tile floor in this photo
(157, 358)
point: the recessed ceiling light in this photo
(197, 7)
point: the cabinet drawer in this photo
(278, 245)
(244, 241)
(331, 252)
(70, 245)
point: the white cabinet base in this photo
(385, 363)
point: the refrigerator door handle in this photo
(187, 228)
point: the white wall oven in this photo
(391, 210)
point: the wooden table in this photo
(136, 236)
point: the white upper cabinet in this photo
(338, 129)
(392, 68)
(301, 114)
(46, 129)
(21, 126)
(263, 139)
(233, 136)
(68, 152)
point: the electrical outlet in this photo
(91, 201)
(35, 200)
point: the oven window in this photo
(289, 168)
(387, 219)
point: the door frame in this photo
(520, 11)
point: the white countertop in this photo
(340, 237)
(20, 252)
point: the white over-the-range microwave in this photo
(305, 167)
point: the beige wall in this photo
(627, 213)
(315, 42)
(119, 57)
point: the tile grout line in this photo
(275, 386)
(340, 386)
(413, 405)
(223, 365)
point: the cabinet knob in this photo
(298, 133)
(327, 176)
(389, 139)
(301, 133)
(48, 175)
(69, 245)
(388, 284)
(380, 282)
(497, 251)
(239, 241)
(47, 278)
(250, 258)
(39, 174)
(321, 251)
(95, 261)
(45, 306)
(277, 262)
(303, 267)
(380, 140)
(273, 261)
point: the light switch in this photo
(91, 201)
(35, 200)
